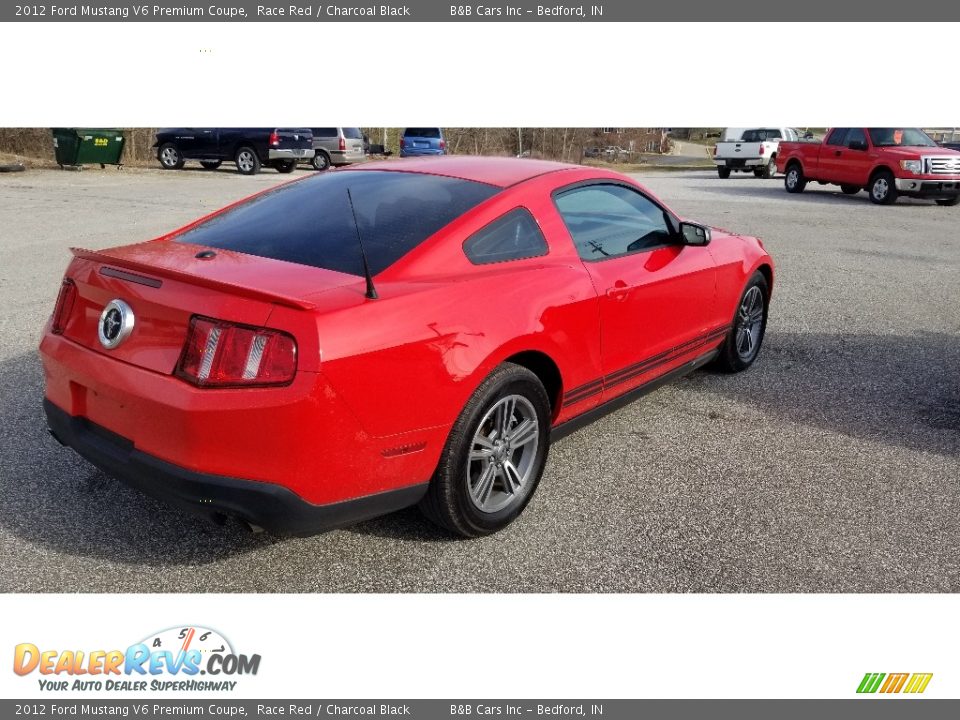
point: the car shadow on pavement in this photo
(815, 193)
(51, 496)
(894, 390)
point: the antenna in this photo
(371, 290)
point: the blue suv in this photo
(415, 142)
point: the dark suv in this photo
(416, 142)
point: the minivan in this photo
(422, 141)
(337, 146)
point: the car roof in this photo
(499, 171)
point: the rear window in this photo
(309, 222)
(352, 134)
(432, 133)
(760, 134)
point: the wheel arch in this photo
(881, 167)
(546, 369)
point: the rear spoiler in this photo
(158, 271)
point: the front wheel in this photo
(170, 157)
(494, 457)
(247, 161)
(320, 161)
(794, 181)
(723, 172)
(949, 202)
(883, 189)
(743, 342)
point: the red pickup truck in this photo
(886, 162)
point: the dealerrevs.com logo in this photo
(180, 659)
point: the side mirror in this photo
(694, 234)
(857, 145)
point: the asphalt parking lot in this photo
(831, 466)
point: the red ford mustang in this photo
(356, 342)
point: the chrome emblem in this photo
(116, 324)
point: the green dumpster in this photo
(76, 146)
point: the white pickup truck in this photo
(755, 150)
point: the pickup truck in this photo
(755, 151)
(886, 162)
(249, 148)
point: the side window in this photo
(325, 132)
(855, 134)
(838, 137)
(513, 236)
(610, 220)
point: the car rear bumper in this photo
(923, 187)
(735, 163)
(266, 505)
(417, 152)
(290, 153)
(342, 157)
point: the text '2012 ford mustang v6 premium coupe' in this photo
(349, 344)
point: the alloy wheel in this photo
(749, 324)
(169, 157)
(880, 188)
(503, 454)
(245, 161)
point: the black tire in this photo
(448, 501)
(12, 168)
(882, 188)
(794, 180)
(769, 170)
(758, 172)
(732, 358)
(285, 166)
(170, 157)
(849, 189)
(210, 164)
(320, 161)
(949, 202)
(247, 161)
(723, 172)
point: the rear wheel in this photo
(247, 161)
(494, 457)
(849, 189)
(883, 190)
(949, 202)
(170, 157)
(285, 166)
(320, 161)
(749, 325)
(723, 172)
(794, 181)
(770, 169)
(210, 164)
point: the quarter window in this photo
(513, 236)
(611, 220)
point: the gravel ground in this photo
(830, 466)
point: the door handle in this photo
(838, 153)
(619, 291)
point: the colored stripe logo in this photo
(913, 683)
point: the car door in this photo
(832, 160)
(857, 161)
(197, 143)
(654, 291)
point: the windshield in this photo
(309, 222)
(893, 137)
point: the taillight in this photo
(403, 143)
(65, 300)
(714, 149)
(274, 138)
(443, 144)
(343, 144)
(761, 149)
(222, 354)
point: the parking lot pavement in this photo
(832, 465)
